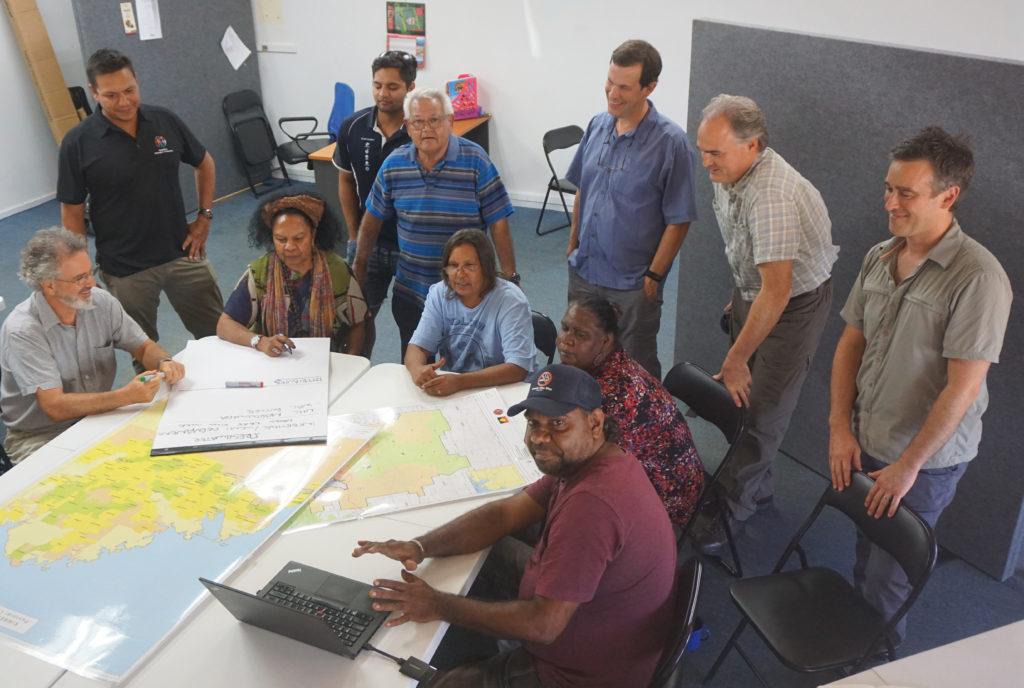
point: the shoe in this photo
(712, 540)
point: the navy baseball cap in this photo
(558, 389)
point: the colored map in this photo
(100, 555)
(426, 454)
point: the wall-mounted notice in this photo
(233, 396)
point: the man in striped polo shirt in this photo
(778, 240)
(433, 187)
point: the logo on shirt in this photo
(161, 145)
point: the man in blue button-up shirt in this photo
(634, 172)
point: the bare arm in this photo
(574, 226)
(73, 217)
(59, 405)
(843, 448)
(349, 202)
(500, 374)
(199, 228)
(963, 382)
(416, 363)
(502, 238)
(230, 330)
(668, 248)
(355, 338)
(776, 286)
(369, 230)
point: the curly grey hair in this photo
(41, 257)
(745, 118)
(434, 94)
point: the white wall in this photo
(28, 175)
(542, 63)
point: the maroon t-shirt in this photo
(607, 544)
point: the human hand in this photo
(275, 345)
(427, 373)
(195, 242)
(891, 484)
(143, 387)
(406, 552)
(172, 370)
(843, 454)
(443, 385)
(573, 245)
(359, 271)
(412, 596)
(737, 380)
(650, 289)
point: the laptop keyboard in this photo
(347, 624)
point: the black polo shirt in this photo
(361, 150)
(136, 208)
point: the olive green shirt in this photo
(954, 305)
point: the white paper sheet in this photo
(234, 49)
(148, 12)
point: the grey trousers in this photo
(513, 669)
(190, 287)
(20, 445)
(778, 368)
(876, 575)
(639, 319)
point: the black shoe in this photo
(712, 539)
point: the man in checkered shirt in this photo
(778, 241)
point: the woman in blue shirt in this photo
(480, 326)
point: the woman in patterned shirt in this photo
(651, 426)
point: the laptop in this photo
(315, 607)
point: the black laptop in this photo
(315, 607)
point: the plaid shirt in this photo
(772, 213)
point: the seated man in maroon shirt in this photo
(596, 596)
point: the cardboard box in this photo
(42, 64)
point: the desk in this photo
(990, 659)
(211, 649)
(476, 129)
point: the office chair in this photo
(344, 105)
(253, 137)
(710, 400)
(687, 590)
(557, 139)
(302, 143)
(544, 335)
(81, 101)
(811, 617)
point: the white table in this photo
(990, 659)
(211, 649)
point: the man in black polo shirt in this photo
(125, 156)
(365, 139)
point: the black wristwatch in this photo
(207, 213)
(515, 278)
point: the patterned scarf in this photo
(321, 298)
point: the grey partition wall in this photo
(185, 71)
(834, 109)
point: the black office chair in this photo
(253, 137)
(302, 144)
(544, 335)
(709, 399)
(557, 139)
(687, 590)
(812, 618)
(81, 101)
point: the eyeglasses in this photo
(421, 124)
(468, 268)
(400, 54)
(80, 280)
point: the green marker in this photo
(147, 378)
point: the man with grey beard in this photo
(57, 347)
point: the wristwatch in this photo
(207, 213)
(255, 341)
(515, 278)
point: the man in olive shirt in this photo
(924, 320)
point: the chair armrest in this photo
(312, 130)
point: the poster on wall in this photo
(407, 29)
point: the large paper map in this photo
(426, 454)
(100, 556)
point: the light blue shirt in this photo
(498, 330)
(632, 186)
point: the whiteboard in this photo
(289, 405)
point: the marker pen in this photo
(242, 383)
(147, 378)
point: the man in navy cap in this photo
(596, 595)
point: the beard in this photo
(79, 303)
